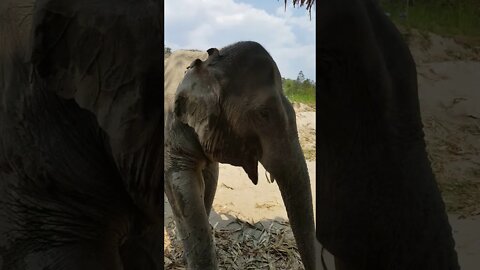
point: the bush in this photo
(443, 17)
(302, 92)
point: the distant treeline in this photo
(301, 90)
(444, 17)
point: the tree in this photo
(300, 77)
(167, 51)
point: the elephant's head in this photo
(235, 103)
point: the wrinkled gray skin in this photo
(81, 135)
(378, 204)
(231, 109)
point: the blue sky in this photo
(289, 36)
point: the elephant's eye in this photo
(264, 114)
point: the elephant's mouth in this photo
(243, 152)
(250, 165)
(247, 156)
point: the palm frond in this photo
(308, 3)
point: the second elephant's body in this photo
(80, 138)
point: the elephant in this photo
(229, 107)
(81, 154)
(378, 203)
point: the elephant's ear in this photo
(107, 57)
(213, 56)
(197, 100)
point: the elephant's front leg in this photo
(185, 191)
(210, 177)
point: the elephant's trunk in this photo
(294, 183)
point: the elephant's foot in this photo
(199, 247)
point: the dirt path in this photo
(450, 98)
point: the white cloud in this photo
(202, 24)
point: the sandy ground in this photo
(449, 91)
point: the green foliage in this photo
(300, 77)
(444, 17)
(300, 91)
(167, 51)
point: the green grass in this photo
(303, 92)
(305, 98)
(447, 18)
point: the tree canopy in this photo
(308, 3)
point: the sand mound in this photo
(429, 47)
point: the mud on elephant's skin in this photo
(378, 205)
(229, 107)
(81, 135)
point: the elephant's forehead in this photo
(255, 98)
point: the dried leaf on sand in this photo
(243, 245)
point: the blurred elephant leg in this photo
(91, 256)
(210, 177)
(143, 252)
(342, 265)
(185, 192)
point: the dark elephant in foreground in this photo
(81, 135)
(230, 108)
(378, 204)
